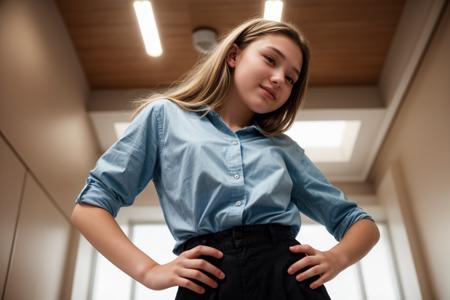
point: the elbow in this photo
(74, 215)
(373, 231)
(77, 214)
(377, 233)
(368, 228)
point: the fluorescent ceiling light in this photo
(147, 26)
(326, 141)
(273, 10)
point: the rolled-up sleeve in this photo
(318, 199)
(124, 170)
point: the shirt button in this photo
(235, 142)
(238, 203)
(236, 176)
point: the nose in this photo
(277, 77)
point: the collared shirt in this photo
(210, 178)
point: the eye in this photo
(270, 59)
(290, 80)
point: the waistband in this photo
(240, 236)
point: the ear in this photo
(232, 56)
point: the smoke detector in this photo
(204, 39)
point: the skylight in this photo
(119, 128)
(326, 141)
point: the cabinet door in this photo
(40, 249)
(12, 175)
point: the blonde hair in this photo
(209, 80)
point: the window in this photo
(363, 279)
(360, 281)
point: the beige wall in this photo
(12, 177)
(47, 147)
(43, 93)
(418, 145)
(35, 235)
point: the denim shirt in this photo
(210, 178)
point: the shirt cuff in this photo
(94, 194)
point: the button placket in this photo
(235, 162)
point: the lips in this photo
(269, 91)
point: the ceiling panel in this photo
(349, 39)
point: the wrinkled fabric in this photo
(210, 178)
(255, 264)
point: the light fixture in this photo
(148, 28)
(273, 10)
(204, 39)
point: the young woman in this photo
(231, 184)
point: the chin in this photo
(259, 110)
(262, 109)
(260, 106)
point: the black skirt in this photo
(255, 263)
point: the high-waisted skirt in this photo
(255, 263)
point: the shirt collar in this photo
(206, 107)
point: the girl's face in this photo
(265, 72)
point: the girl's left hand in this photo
(327, 264)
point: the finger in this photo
(303, 248)
(204, 265)
(316, 270)
(198, 275)
(184, 282)
(303, 263)
(202, 250)
(324, 278)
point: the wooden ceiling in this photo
(349, 38)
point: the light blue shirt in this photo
(209, 178)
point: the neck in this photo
(234, 112)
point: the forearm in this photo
(357, 242)
(103, 232)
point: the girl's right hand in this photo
(183, 268)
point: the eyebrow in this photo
(284, 57)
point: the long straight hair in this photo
(209, 80)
